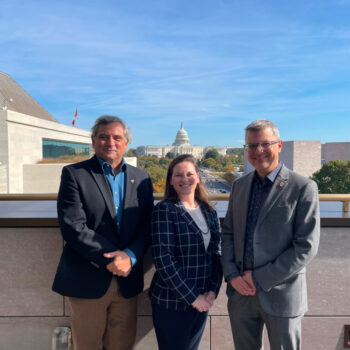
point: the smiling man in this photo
(104, 210)
(270, 233)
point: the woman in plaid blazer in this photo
(186, 253)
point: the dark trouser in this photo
(247, 321)
(178, 330)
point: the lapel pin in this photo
(281, 184)
(132, 181)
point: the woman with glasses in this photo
(186, 253)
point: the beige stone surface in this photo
(221, 335)
(145, 337)
(28, 260)
(336, 150)
(328, 275)
(324, 333)
(3, 178)
(28, 333)
(49, 175)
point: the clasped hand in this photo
(121, 265)
(204, 301)
(244, 284)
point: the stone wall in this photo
(49, 175)
(336, 150)
(30, 311)
(24, 135)
(3, 178)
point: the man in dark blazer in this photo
(270, 233)
(104, 211)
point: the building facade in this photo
(335, 150)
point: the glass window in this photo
(56, 149)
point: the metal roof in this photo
(21, 102)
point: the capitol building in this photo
(181, 145)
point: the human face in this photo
(263, 160)
(110, 143)
(184, 180)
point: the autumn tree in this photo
(159, 186)
(229, 177)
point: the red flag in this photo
(75, 116)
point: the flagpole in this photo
(75, 117)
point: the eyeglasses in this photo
(265, 145)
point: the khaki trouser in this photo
(107, 323)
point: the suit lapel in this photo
(102, 184)
(129, 190)
(278, 187)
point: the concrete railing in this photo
(324, 197)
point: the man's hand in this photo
(247, 276)
(242, 285)
(121, 266)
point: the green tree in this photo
(132, 152)
(212, 153)
(333, 177)
(171, 155)
(209, 163)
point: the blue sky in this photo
(215, 65)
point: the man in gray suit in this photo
(270, 233)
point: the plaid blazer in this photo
(184, 269)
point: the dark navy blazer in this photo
(86, 215)
(183, 268)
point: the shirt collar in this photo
(105, 164)
(272, 175)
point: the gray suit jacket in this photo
(286, 239)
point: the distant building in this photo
(335, 150)
(181, 145)
(303, 157)
(29, 133)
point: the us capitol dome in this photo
(181, 137)
(181, 145)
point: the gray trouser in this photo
(247, 321)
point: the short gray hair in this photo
(108, 119)
(261, 124)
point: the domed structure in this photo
(181, 137)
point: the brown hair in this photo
(200, 194)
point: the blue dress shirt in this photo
(117, 186)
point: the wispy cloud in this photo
(219, 64)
